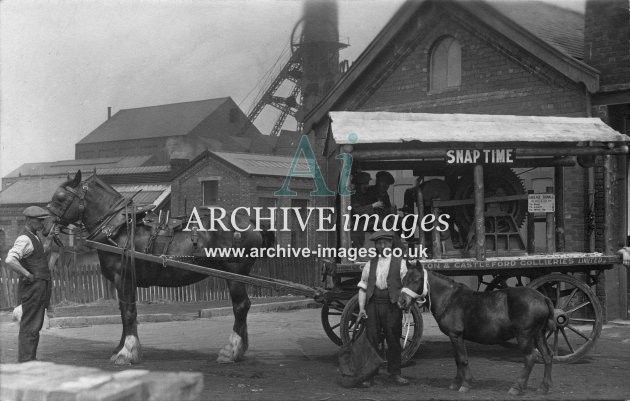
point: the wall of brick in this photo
(607, 39)
(238, 189)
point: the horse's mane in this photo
(447, 278)
(93, 177)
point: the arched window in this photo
(446, 65)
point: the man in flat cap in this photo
(379, 289)
(28, 258)
(361, 204)
(378, 193)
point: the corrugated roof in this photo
(558, 26)
(40, 190)
(176, 119)
(65, 166)
(257, 164)
(134, 170)
(150, 194)
(385, 127)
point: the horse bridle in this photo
(68, 201)
(421, 298)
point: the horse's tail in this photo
(268, 237)
(551, 318)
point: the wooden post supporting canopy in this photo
(550, 231)
(420, 202)
(480, 209)
(559, 186)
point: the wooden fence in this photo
(83, 283)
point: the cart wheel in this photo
(578, 315)
(411, 330)
(331, 320)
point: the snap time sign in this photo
(480, 156)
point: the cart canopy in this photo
(388, 127)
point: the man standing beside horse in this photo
(379, 290)
(28, 258)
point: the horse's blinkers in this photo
(63, 200)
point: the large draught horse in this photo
(109, 218)
(486, 318)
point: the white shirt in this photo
(382, 270)
(22, 248)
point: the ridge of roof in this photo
(559, 59)
(173, 119)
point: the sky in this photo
(63, 62)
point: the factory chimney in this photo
(320, 51)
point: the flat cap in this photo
(385, 176)
(36, 212)
(382, 234)
(362, 178)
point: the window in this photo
(299, 237)
(446, 65)
(210, 192)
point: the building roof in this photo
(258, 164)
(558, 26)
(72, 166)
(40, 191)
(150, 194)
(30, 191)
(555, 38)
(175, 119)
(386, 127)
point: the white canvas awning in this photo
(386, 127)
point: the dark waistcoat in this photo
(394, 284)
(36, 263)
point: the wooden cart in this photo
(504, 228)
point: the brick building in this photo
(524, 59)
(231, 180)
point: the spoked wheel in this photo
(578, 315)
(411, 327)
(331, 320)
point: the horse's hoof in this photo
(129, 353)
(464, 389)
(233, 351)
(454, 386)
(542, 390)
(515, 391)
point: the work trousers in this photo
(385, 316)
(34, 296)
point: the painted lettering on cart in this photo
(480, 156)
(509, 263)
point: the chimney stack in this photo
(109, 113)
(607, 40)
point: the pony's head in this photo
(415, 287)
(67, 201)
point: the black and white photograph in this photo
(314, 200)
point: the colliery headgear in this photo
(362, 178)
(385, 176)
(36, 212)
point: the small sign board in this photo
(480, 156)
(541, 203)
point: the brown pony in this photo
(108, 218)
(486, 318)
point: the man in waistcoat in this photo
(379, 290)
(28, 258)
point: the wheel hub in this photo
(561, 318)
